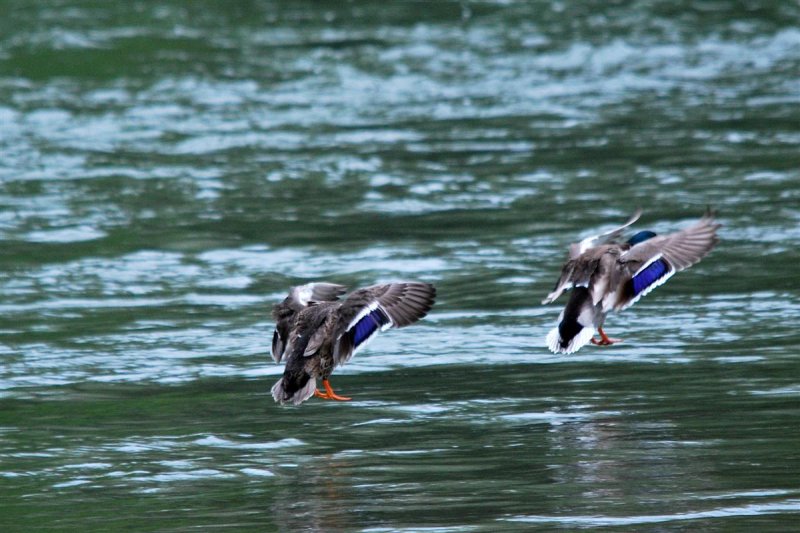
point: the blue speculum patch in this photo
(654, 271)
(368, 325)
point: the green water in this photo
(169, 169)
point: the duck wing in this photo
(649, 264)
(578, 248)
(299, 298)
(575, 267)
(368, 311)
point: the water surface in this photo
(169, 171)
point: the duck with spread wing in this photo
(316, 332)
(605, 276)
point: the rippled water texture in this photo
(169, 169)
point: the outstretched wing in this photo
(303, 295)
(568, 273)
(368, 311)
(298, 299)
(649, 264)
(576, 249)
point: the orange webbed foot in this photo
(605, 340)
(329, 394)
(322, 395)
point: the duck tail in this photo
(576, 324)
(295, 388)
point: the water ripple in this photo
(169, 170)
(788, 506)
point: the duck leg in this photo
(329, 394)
(605, 340)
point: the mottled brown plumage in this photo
(299, 298)
(316, 333)
(608, 276)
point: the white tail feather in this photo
(583, 337)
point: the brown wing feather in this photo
(578, 248)
(681, 249)
(580, 271)
(678, 250)
(403, 303)
(575, 267)
(564, 282)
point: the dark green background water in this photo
(169, 169)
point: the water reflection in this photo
(316, 495)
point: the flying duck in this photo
(605, 276)
(316, 332)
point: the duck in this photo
(605, 275)
(315, 331)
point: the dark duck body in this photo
(606, 276)
(316, 332)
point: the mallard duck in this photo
(317, 333)
(608, 276)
